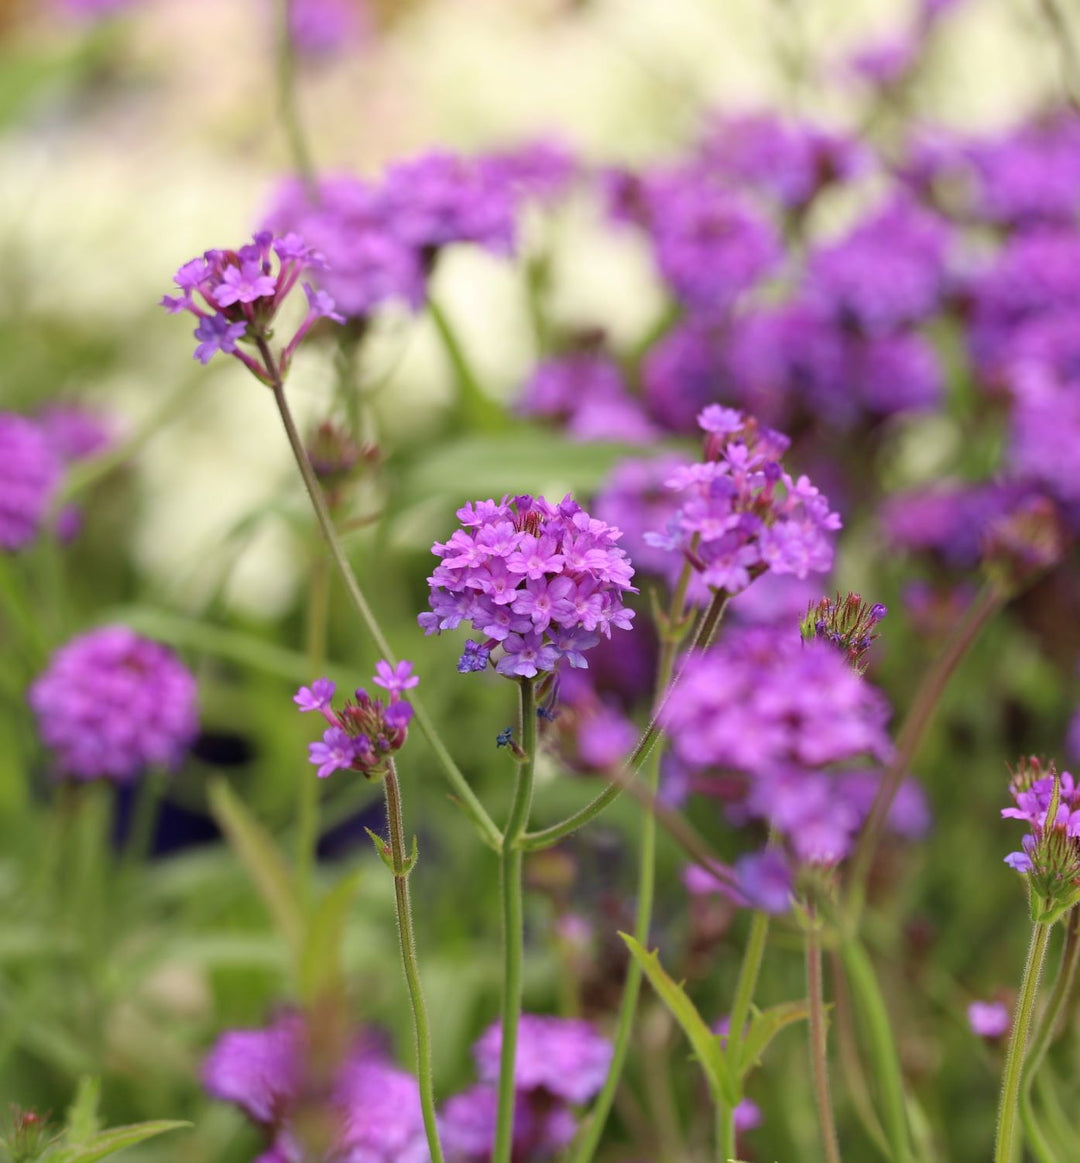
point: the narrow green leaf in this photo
(260, 856)
(705, 1043)
(115, 1139)
(765, 1025)
(321, 969)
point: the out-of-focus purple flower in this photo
(585, 391)
(781, 712)
(746, 1116)
(758, 880)
(740, 513)
(605, 739)
(112, 703)
(365, 732)
(30, 471)
(236, 294)
(74, 431)
(259, 1070)
(886, 274)
(564, 1057)
(988, 1019)
(710, 246)
(541, 581)
(321, 28)
(467, 1126)
(541, 170)
(790, 161)
(382, 1120)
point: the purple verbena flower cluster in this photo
(783, 714)
(30, 472)
(846, 623)
(361, 1107)
(366, 731)
(539, 582)
(559, 1063)
(236, 294)
(740, 513)
(112, 703)
(383, 238)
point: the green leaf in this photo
(765, 1025)
(705, 1043)
(260, 856)
(82, 1117)
(109, 1142)
(321, 969)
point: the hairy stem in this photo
(462, 792)
(1004, 1147)
(819, 1051)
(406, 937)
(513, 925)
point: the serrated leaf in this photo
(764, 1026)
(259, 854)
(705, 1043)
(320, 959)
(115, 1139)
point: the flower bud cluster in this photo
(741, 513)
(236, 294)
(366, 731)
(540, 581)
(1049, 802)
(846, 623)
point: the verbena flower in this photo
(314, 1104)
(112, 703)
(236, 295)
(787, 717)
(366, 731)
(30, 472)
(539, 582)
(741, 513)
(1049, 802)
(846, 623)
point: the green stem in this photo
(463, 793)
(288, 109)
(475, 411)
(854, 1073)
(1014, 1058)
(307, 802)
(407, 940)
(623, 779)
(511, 859)
(597, 1119)
(146, 809)
(819, 1051)
(987, 602)
(1049, 1022)
(885, 1061)
(753, 955)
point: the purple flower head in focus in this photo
(539, 582)
(784, 715)
(741, 513)
(366, 731)
(236, 294)
(1049, 803)
(112, 703)
(846, 623)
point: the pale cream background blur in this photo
(101, 201)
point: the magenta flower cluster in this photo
(560, 1063)
(235, 295)
(30, 471)
(272, 1074)
(366, 731)
(1032, 799)
(741, 513)
(783, 715)
(539, 582)
(113, 703)
(382, 239)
